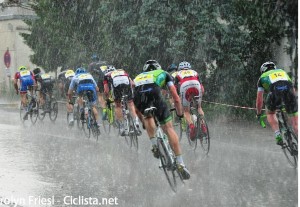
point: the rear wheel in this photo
(290, 148)
(204, 135)
(86, 125)
(34, 112)
(53, 109)
(133, 133)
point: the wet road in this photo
(50, 165)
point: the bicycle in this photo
(133, 132)
(110, 119)
(32, 109)
(202, 132)
(76, 113)
(50, 106)
(167, 156)
(89, 123)
(290, 139)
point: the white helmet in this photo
(267, 66)
(184, 66)
(110, 68)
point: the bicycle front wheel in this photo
(290, 148)
(167, 164)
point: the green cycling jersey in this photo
(159, 77)
(270, 77)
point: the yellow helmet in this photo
(103, 67)
(21, 68)
(69, 73)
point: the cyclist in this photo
(189, 85)
(84, 81)
(279, 88)
(172, 70)
(96, 69)
(121, 84)
(46, 83)
(69, 74)
(27, 81)
(61, 80)
(148, 93)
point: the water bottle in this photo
(194, 118)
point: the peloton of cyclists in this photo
(148, 93)
(119, 82)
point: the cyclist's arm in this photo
(259, 101)
(176, 99)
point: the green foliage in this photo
(226, 41)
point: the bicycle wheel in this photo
(133, 133)
(204, 136)
(290, 148)
(22, 112)
(106, 122)
(86, 125)
(41, 114)
(34, 111)
(167, 164)
(76, 112)
(53, 109)
(182, 128)
(192, 143)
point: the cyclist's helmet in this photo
(21, 68)
(267, 66)
(151, 65)
(184, 66)
(69, 73)
(172, 67)
(95, 57)
(80, 70)
(36, 71)
(109, 69)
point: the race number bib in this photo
(278, 76)
(69, 74)
(120, 80)
(186, 73)
(24, 73)
(45, 76)
(83, 76)
(143, 79)
(117, 73)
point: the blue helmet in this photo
(95, 57)
(172, 67)
(80, 70)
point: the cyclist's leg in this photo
(101, 98)
(291, 104)
(271, 102)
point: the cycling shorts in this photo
(122, 89)
(149, 95)
(188, 90)
(282, 91)
(88, 87)
(25, 82)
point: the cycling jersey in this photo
(279, 88)
(84, 82)
(26, 78)
(46, 82)
(96, 69)
(119, 82)
(188, 86)
(148, 93)
(68, 76)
